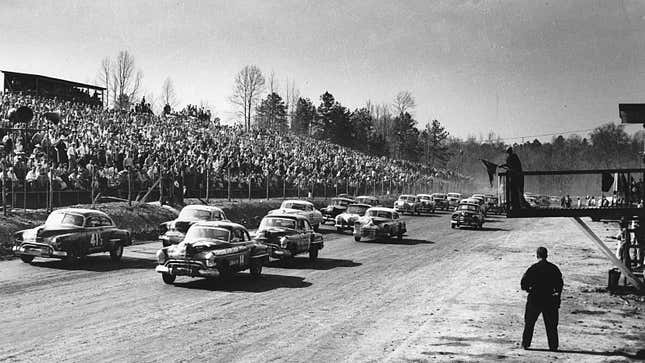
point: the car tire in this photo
(452, 226)
(116, 253)
(357, 238)
(71, 257)
(167, 278)
(27, 258)
(313, 254)
(256, 270)
(400, 236)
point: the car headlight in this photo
(283, 242)
(210, 259)
(161, 257)
(29, 234)
(53, 241)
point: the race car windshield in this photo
(202, 215)
(366, 200)
(58, 218)
(354, 209)
(424, 197)
(342, 203)
(277, 222)
(411, 199)
(297, 206)
(195, 233)
(468, 207)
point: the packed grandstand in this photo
(89, 147)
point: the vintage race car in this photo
(212, 249)
(467, 214)
(368, 199)
(426, 204)
(407, 203)
(481, 200)
(303, 208)
(379, 222)
(352, 214)
(72, 234)
(440, 201)
(337, 206)
(453, 199)
(173, 232)
(288, 235)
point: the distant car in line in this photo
(347, 219)
(407, 203)
(173, 232)
(303, 208)
(289, 235)
(467, 214)
(379, 222)
(337, 206)
(426, 204)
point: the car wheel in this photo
(168, 278)
(452, 226)
(71, 256)
(26, 258)
(256, 270)
(357, 238)
(313, 254)
(400, 236)
(116, 252)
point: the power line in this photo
(542, 135)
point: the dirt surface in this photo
(438, 295)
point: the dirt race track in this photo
(438, 295)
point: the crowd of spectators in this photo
(87, 147)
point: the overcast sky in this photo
(516, 68)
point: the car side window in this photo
(246, 236)
(92, 222)
(105, 222)
(395, 216)
(217, 216)
(300, 225)
(237, 236)
(309, 208)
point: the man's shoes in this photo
(553, 349)
(525, 347)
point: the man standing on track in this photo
(543, 282)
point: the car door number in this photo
(95, 239)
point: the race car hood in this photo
(348, 216)
(274, 232)
(199, 249)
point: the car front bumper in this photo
(188, 269)
(38, 250)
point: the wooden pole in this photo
(228, 178)
(129, 187)
(207, 182)
(267, 183)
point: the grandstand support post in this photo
(325, 190)
(228, 180)
(604, 249)
(207, 183)
(50, 191)
(13, 196)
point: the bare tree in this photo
(249, 84)
(292, 94)
(104, 76)
(168, 95)
(403, 102)
(126, 80)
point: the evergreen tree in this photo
(271, 113)
(303, 117)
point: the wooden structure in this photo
(53, 87)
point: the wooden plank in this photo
(607, 252)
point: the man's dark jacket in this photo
(543, 282)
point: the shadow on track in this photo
(404, 241)
(242, 282)
(98, 263)
(305, 264)
(640, 355)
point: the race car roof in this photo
(285, 215)
(220, 224)
(382, 209)
(203, 207)
(80, 211)
(296, 201)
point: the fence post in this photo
(228, 179)
(298, 184)
(336, 187)
(13, 195)
(267, 181)
(24, 195)
(92, 192)
(129, 188)
(284, 188)
(4, 192)
(207, 182)
(160, 188)
(249, 182)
